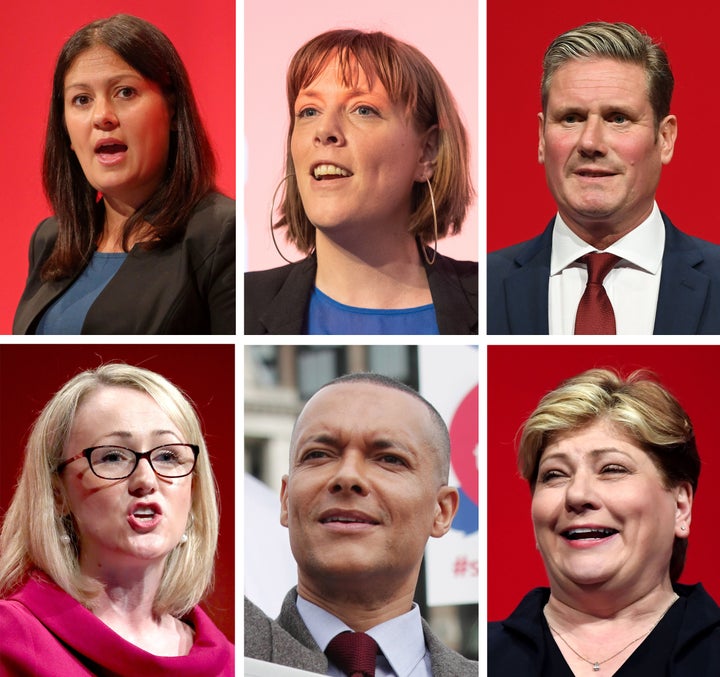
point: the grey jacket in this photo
(287, 641)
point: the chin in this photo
(588, 577)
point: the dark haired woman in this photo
(140, 242)
(377, 172)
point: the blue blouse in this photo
(327, 316)
(66, 314)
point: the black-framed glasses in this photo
(112, 462)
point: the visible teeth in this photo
(345, 519)
(576, 534)
(144, 512)
(329, 170)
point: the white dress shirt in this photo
(632, 285)
(400, 639)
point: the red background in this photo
(33, 32)
(519, 205)
(518, 376)
(30, 375)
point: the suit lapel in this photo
(683, 290)
(286, 312)
(30, 311)
(302, 650)
(526, 290)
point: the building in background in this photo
(278, 382)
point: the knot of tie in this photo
(595, 313)
(354, 653)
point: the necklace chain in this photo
(596, 664)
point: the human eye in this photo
(570, 118)
(613, 469)
(392, 459)
(314, 455)
(111, 455)
(80, 100)
(364, 110)
(126, 92)
(551, 475)
(167, 455)
(307, 112)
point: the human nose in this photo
(104, 116)
(592, 138)
(143, 479)
(329, 131)
(350, 474)
(581, 494)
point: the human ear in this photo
(429, 147)
(683, 511)
(541, 138)
(667, 133)
(448, 500)
(284, 502)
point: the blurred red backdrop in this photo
(32, 35)
(518, 376)
(516, 42)
(30, 375)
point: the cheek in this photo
(557, 151)
(541, 509)
(296, 145)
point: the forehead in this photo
(98, 59)
(333, 72)
(366, 409)
(114, 405)
(600, 435)
(598, 81)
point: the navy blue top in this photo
(327, 316)
(66, 314)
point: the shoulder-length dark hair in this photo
(411, 79)
(190, 173)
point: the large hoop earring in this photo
(435, 226)
(272, 211)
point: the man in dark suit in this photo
(605, 132)
(367, 487)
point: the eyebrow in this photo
(321, 438)
(126, 434)
(110, 81)
(350, 93)
(595, 453)
(332, 440)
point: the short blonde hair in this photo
(638, 407)
(411, 79)
(37, 518)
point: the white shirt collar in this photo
(642, 247)
(401, 639)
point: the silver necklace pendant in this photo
(596, 666)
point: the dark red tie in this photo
(595, 313)
(354, 653)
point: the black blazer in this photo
(688, 301)
(516, 646)
(186, 288)
(276, 300)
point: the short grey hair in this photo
(619, 41)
